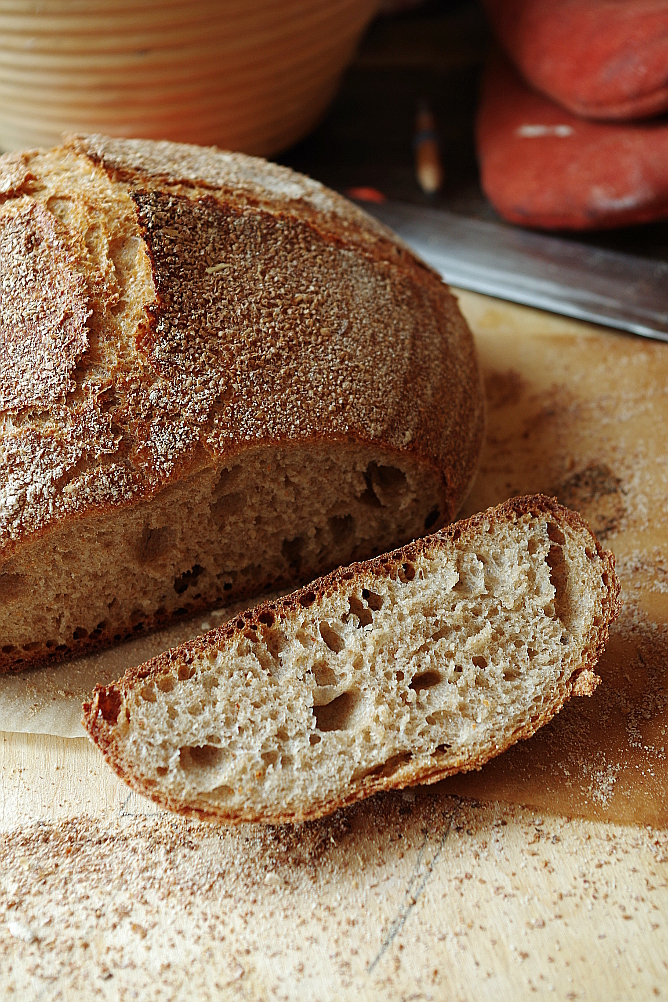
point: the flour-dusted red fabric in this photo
(603, 59)
(543, 167)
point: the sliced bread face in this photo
(404, 669)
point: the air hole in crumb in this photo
(270, 757)
(334, 640)
(479, 661)
(406, 572)
(172, 713)
(400, 676)
(555, 534)
(8, 648)
(282, 734)
(267, 617)
(80, 633)
(162, 770)
(292, 552)
(369, 497)
(510, 675)
(373, 600)
(276, 641)
(314, 739)
(444, 631)
(533, 545)
(425, 680)
(184, 672)
(531, 652)
(324, 675)
(220, 793)
(182, 583)
(147, 692)
(154, 543)
(365, 616)
(306, 600)
(559, 577)
(431, 518)
(200, 756)
(304, 638)
(336, 715)
(385, 769)
(442, 749)
(109, 704)
(35, 645)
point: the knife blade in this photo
(552, 273)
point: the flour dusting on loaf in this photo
(218, 377)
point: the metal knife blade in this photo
(559, 275)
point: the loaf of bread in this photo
(217, 377)
(400, 670)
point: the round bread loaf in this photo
(217, 377)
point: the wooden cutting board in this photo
(448, 892)
(582, 413)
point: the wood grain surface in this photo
(581, 413)
(449, 892)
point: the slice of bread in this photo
(404, 669)
(217, 379)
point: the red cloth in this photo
(603, 59)
(543, 167)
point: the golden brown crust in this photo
(15, 173)
(229, 302)
(100, 714)
(240, 180)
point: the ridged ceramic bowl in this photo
(251, 75)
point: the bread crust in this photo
(100, 714)
(216, 302)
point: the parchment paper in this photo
(48, 700)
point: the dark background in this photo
(435, 52)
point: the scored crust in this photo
(102, 712)
(216, 303)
